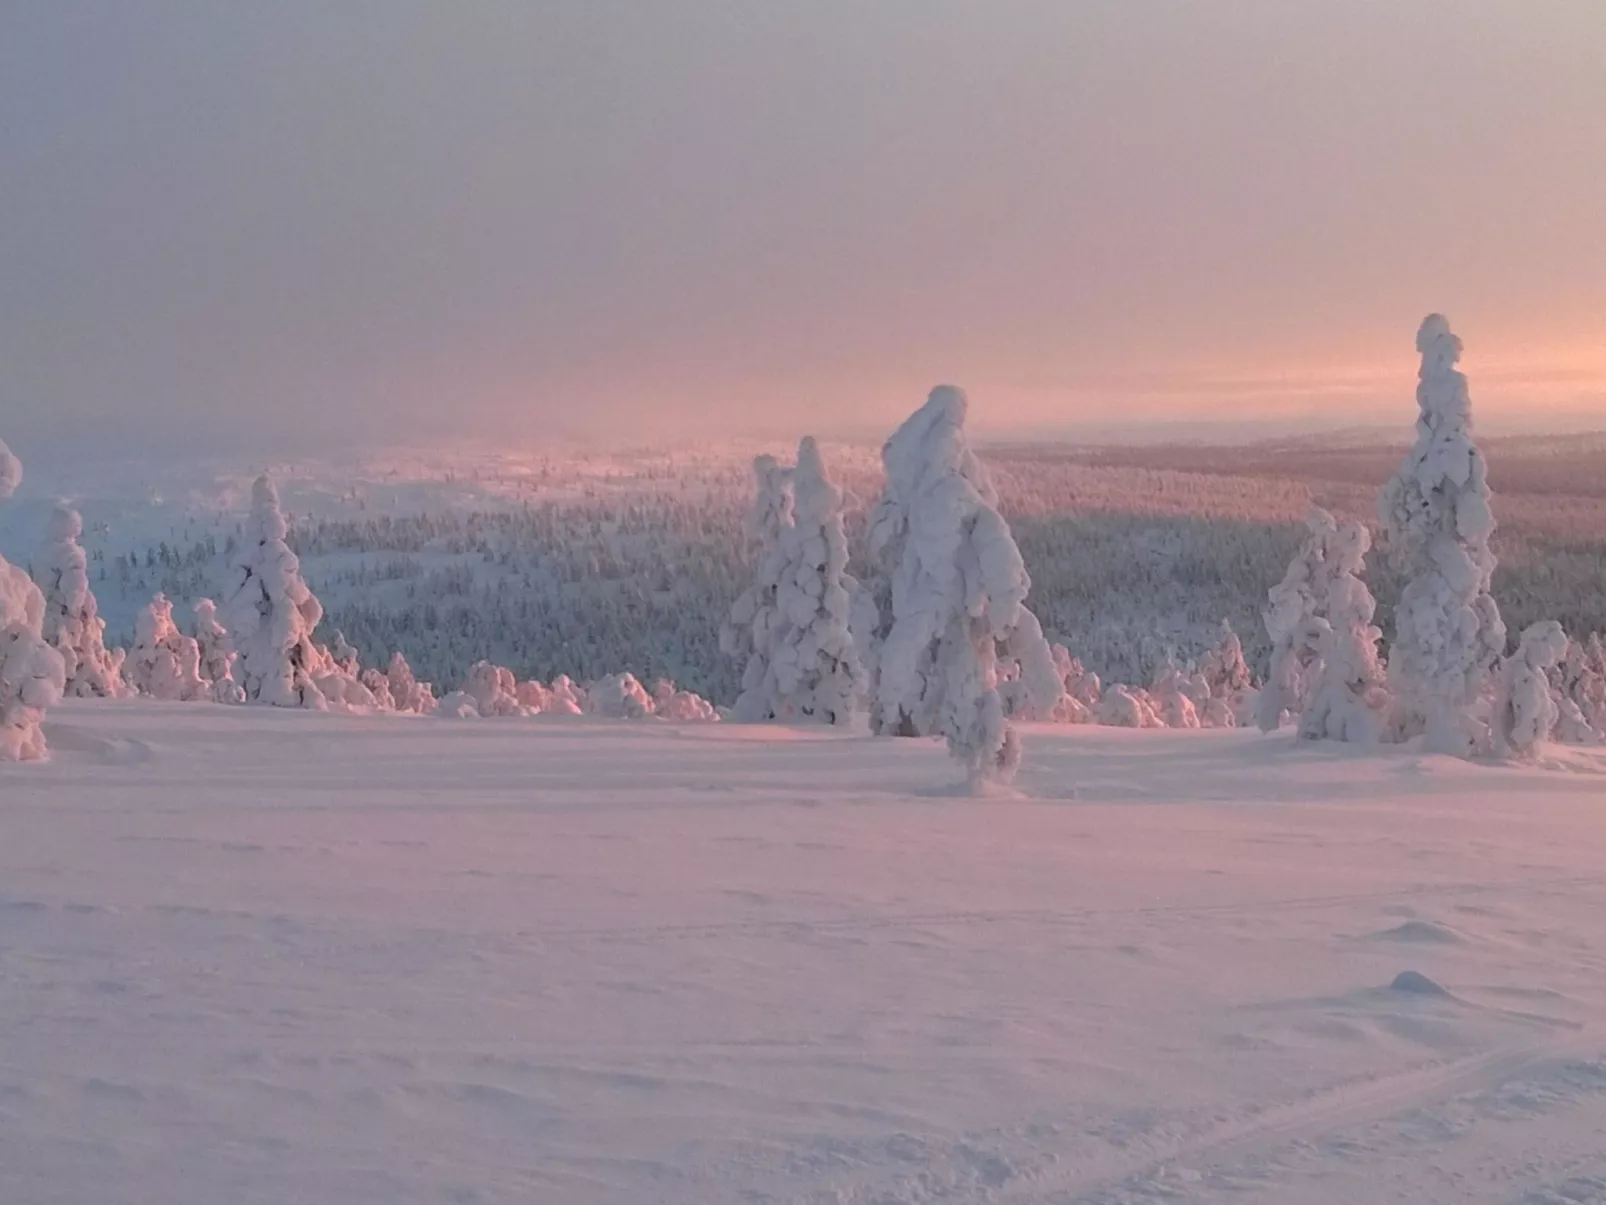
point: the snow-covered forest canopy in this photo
(590, 563)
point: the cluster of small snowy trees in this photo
(1446, 677)
(257, 647)
(937, 640)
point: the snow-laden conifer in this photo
(407, 693)
(619, 697)
(73, 625)
(217, 654)
(165, 663)
(1438, 522)
(32, 673)
(1525, 713)
(269, 611)
(814, 662)
(948, 592)
(1294, 605)
(1349, 699)
(752, 630)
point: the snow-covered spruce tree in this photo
(619, 697)
(1349, 700)
(814, 663)
(1123, 707)
(566, 697)
(1227, 681)
(407, 693)
(1172, 698)
(949, 591)
(1525, 713)
(1437, 522)
(753, 627)
(32, 673)
(494, 690)
(164, 663)
(669, 702)
(270, 612)
(73, 625)
(1293, 607)
(217, 653)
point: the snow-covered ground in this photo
(260, 956)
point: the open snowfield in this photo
(261, 956)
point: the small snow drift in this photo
(1415, 983)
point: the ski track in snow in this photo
(253, 956)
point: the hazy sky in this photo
(236, 219)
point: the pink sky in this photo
(616, 217)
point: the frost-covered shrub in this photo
(73, 625)
(407, 693)
(270, 612)
(947, 591)
(1123, 707)
(164, 663)
(753, 628)
(377, 684)
(1438, 523)
(671, 703)
(495, 690)
(1525, 713)
(567, 698)
(619, 697)
(1294, 607)
(32, 673)
(217, 654)
(1172, 698)
(814, 663)
(1349, 699)
(1227, 681)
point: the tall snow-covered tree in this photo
(32, 673)
(1349, 700)
(949, 592)
(753, 627)
(1525, 712)
(270, 612)
(1438, 522)
(73, 624)
(815, 664)
(1295, 608)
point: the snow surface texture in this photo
(598, 964)
(1438, 521)
(948, 588)
(72, 618)
(32, 673)
(270, 612)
